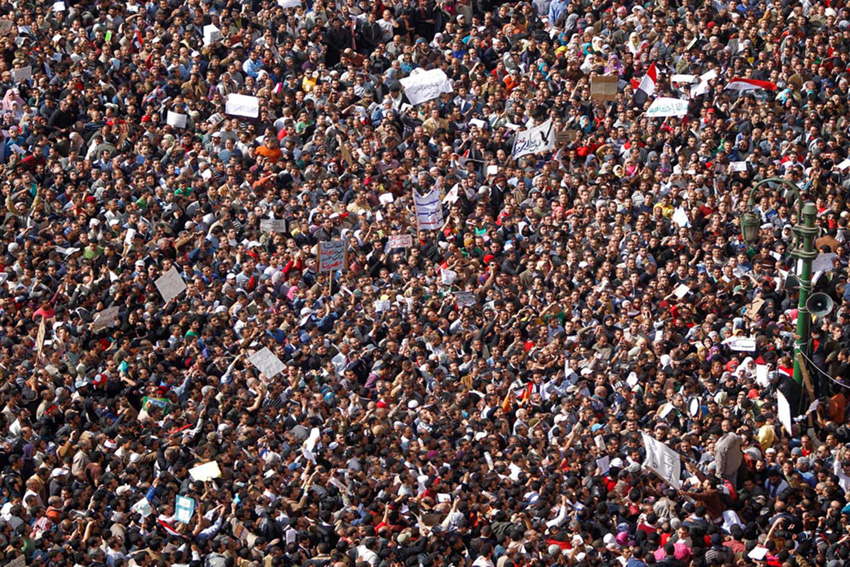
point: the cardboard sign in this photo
(565, 136)
(267, 363)
(170, 284)
(273, 225)
(603, 87)
(400, 241)
(331, 256)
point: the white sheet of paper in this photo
(170, 284)
(289, 3)
(604, 464)
(400, 241)
(267, 363)
(761, 375)
(22, 74)
(758, 553)
(205, 472)
(600, 442)
(738, 166)
(273, 225)
(823, 263)
(176, 119)
(784, 411)
(681, 291)
(59, 6)
(242, 105)
(680, 217)
(211, 35)
(143, 507)
(184, 508)
(447, 277)
(386, 198)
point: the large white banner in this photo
(429, 210)
(540, 138)
(665, 106)
(423, 86)
(663, 461)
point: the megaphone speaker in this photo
(820, 304)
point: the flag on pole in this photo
(739, 84)
(646, 88)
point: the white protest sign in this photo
(267, 363)
(540, 138)
(176, 119)
(170, 284)
(761, 375)
(22, 74)
(105, 318)
(823, 263)
(211, 35)
(128, 238)
(784, 411)
(604, 464)
(844, 164)
(447, 277)
(216, 118)
(386, 198)
(663, 461)
(422, 86)
(681, 291)
(289, 3)
(737, 166)
(685, 79)
(331, 256)
(273, 225)
(429, 210)
(466, 299)
(58, 6)
(401, 241)
(184, 507)
(666, 106)
(143, 507)
(242, 105)
(383, 305)
(680, 217)
(707, 76)
(599, 440)
(5, 26)
(205, 472)
(741, 344)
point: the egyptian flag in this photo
(526, 394)
(739, 84)
(646, 87)
(168, 529)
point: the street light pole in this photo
(804, 252)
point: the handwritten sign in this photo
(242, 105)
(540, 138)
(273, 225)
(22, 74)
(401, 241)
(105, 318)
(331, 256)
(267, 363)
(422, 86)
(176, 119)
(465, 299)
(603, 87)
(184, 508)
(429, 210)
(205, 472)
(666, 106)
(170, 284)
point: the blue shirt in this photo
(556, 10)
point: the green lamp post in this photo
(804, 252)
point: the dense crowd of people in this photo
(475, 395)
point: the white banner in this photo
(211, 35)
(665, 106)
(289, 3)
(242, 105)
(537, 139)
(429, 210)
(423, 86)
(170, 284)
(331, 256)
(783, 409)
(663, 461)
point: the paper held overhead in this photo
(242, 105)
(422, 86)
